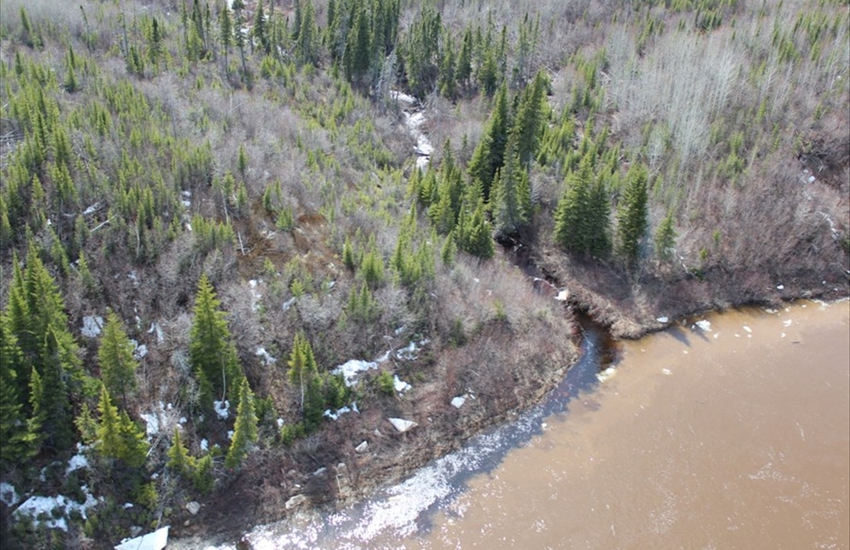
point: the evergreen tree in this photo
(13, 429)
(597, 220)
(569, 232)
(357, 60)
(118, 437)
(303, 372)
(59, 356)
(528, 123)
(115, 357)
(464, 60)
(475, 235)
(446, 79)
(211, 352)
(665, 237)
(245, 428)
(179, 459)
(307, 40)
(632, 214)
(490, 154)
(225, 32)
(260, 30)
(511, 197)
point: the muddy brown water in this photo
(729, 431)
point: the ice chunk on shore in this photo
(402, 425)
(704, 325)
(151, 541)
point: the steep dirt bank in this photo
(334, 467)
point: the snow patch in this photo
(8, 495)
(563, 295)
(152, 541)
(205, 445)
(155, 328)
(140, 351)
(458, 401)
(339, 412)
(36, 506)
(399, 385)
(78, 461)
(704, 325)
(159, 420)
(222, 409)
(780, 287)
(92, 326)
(663, 319)
(350, 369)
(265, 357)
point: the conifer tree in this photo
(260, 30)
(13, 429)
(597, 220)
(632, 214)
(490, 154)
(211, 352)
(357, 56)
(109, 440)
(303, 372)
(511, 197)
(179, 459)
(245, 428)
(57, 354)
(307, 40)
(464, 60)
(115, 357)
(225, 32)
(665, 237)
(528, 123)
(572, 207)
(475, 235)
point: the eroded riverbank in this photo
(720, 391)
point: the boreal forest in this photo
(258, 256)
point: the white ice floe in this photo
(151, 541)
(399, 385)
(606, 375)
(265, 357)
(8, 495)
(92, 326)
(351, 369)
(457, 402)
(704, 325)
(662, 319)
(222, 409)
(402, 425)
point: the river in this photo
(730, 430)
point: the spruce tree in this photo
(211, 352)
(260, 31)
(307, 41)
(118, 437)
(528, 123)
(13, 429)
(570, 233)
(225, 32)
(489, 155)
(597, 220)
(245, 428)
(665, 237)
(511, 199)
(115, 357)
(179, 460)
(632, 214)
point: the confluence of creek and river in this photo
(729, 430)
